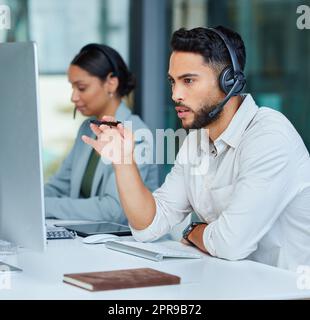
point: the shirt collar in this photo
(242, 118)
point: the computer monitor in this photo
(21, 178)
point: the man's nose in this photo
(177, 94)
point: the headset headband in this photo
(232, 53)
(232, 83)
(103, 50)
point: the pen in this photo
(107, 123)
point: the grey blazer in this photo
(62, 191)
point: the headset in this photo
(232, 79)
(104, 50)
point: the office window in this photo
(278, 65)
(60, 28)
(17, 29)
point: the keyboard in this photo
(54, 233)
(152, 251)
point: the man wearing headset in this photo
(254, 198)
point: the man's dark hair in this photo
(208, 44)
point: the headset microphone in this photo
(221, 105)
(74, 112)
(232, 79)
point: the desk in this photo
(206, 278)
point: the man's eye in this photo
(82, 89)
(188, 80)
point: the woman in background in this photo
(85, 188)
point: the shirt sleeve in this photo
(263, 189)
(172, 205)
(103, 206)
(59, 184)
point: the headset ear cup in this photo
(227, 79)
(241, 85)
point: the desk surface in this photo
(206, 278)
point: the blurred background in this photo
(277, 69)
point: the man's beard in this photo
(202, 117)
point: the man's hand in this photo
(116, 144)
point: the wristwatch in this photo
(189, 229)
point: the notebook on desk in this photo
(121, 279)
(152, 251)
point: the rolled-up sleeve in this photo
(172, 205)
(262, 190)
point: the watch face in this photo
(187, 230)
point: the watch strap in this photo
(189, 229)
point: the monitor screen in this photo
(21, 177)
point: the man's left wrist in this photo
(196, 231)
(187, 232)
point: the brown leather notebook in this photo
(121, 279)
